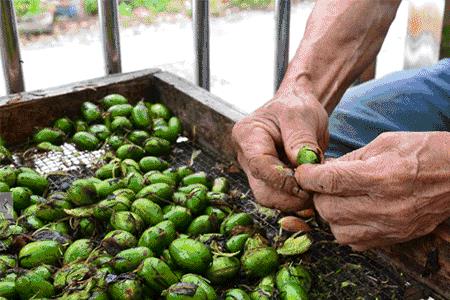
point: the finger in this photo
(269, 197)
(258, 155)
(340, 177)
(362, 236)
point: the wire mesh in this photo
(338, 273)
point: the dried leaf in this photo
(295, 245)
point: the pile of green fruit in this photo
(139, 229)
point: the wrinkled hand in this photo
(394, 189)
(268, 140)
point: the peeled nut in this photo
(293, 224)
(306, 213)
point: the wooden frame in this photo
(209, 120)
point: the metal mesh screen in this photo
(338, 273)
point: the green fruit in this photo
(21, 197)
(129, 259)
(121, 124)
(184, 171)
(128, 221)
(32, 285)
(217, 213)
(295, 274)
(158, 237)
(127, 193)
(165, 132)
(307, 156)
(44, 271)
(179, 198)
(150, 163)
(105, 208)
(85, 141)
(220, 185)
(81, 125)
(90, 112)
(100, 131)
(190, 255)
(115, 141)
(175, 125)
(259, 262)
(120, 110)
(138, 137)
(34, 182)
(238, 219)
(197, 201)
(157, 192)
(7, 289)
(70, 274)
(199, 177)
(4, 187)
(47, 146)
(5, 155)
(52, 209)
(157, 146)
(118, 240)
(41, 252)
(160, 178)
(125, 289)
(130, 151)
(223, 269)
(185, 291)
(201, 224)
(60, 227)
(34, 222)
(157, 274)
(135, 181)
(236, 294)
(8, 175)
(292, 291)
(140, 116)
(78, 250)
(108, 186)
(159, 110)
(8, 260)
(180, 216)
(82, 192)
(108, 171)
(54, 136)
(202, 283)
(236, 243)
(113, 99)
(129, 166)
(65, 125)
(150, 212)
(265, 289)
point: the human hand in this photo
(395, 189)
(267, 142)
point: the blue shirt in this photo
(411, 100)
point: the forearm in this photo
(342, 38)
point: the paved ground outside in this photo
(242, 53)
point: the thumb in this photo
(335, 177)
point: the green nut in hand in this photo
(307, 156)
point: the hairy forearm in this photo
(342, 38)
